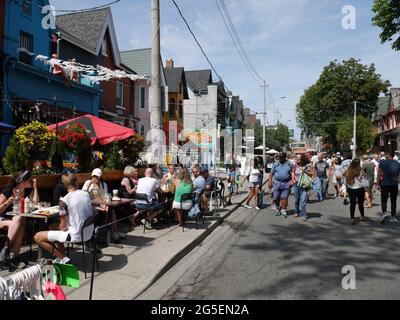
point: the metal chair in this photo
(217, 195)
(142, 197)
(88, 222)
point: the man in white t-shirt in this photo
(75, 208)
(149, 186)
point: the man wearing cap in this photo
(280, 180)
(98, 188)
(321, 169)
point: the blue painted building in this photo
(27, 81)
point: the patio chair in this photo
(88, 222)
(217, 195)
(142, 197)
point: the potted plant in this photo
(75, 140)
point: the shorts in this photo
(187, 205)
(254, 184)
(152, 206)
(58, 236)
(281, 190)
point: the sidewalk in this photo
(125, 273)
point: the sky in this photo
(288, 41)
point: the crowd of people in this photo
(355, 180)
(155, 197)
(183, 192)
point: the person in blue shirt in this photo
(281, 182)
(388, 182)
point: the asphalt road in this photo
(256, 255)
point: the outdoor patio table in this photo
(35, 215)
(113, 205)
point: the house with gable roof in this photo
(139, 60)
(386, 119)
(90, 38)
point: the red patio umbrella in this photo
(98, 129)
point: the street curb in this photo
(180, 255)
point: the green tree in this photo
(276, 137)
(387, 17)
(365, 133)
(16, 156)
(330, 100)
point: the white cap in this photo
(96, 172)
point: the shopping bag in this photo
(305, 181)
(52, 289)
(67, 275)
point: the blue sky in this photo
(288, 41)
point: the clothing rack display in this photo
(33, 283)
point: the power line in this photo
(80, 10)
(237, 42)
(195, 39)
(231, 33)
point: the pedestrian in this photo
(388, 182)
(280, 180)
(261, 167)
(355, 189)
(253, 176)
(302, 166)
(231, 179)
(369, 170)
(344, 167)
(321, 173)
(337, 175)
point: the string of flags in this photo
(93, 74)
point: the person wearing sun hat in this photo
(98, 188)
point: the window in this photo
(26, 42)
(120, 95)
(180, 109)
(27, 8)
(104, 48)
(171, 108)
(132, 98)
(142, 130)
(142, 98)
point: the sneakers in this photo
(146, 224)
(345, 202)
(16, 263)
(393, 219)
(247, 206)
(284, 214)
(257, 208)
(229, 203)
(384, 216)
(121, 235)
(304, 219)
(64, 260)
(353, 222)
(278, 213)
(273, 207)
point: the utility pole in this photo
(264, 86)
(155, 89)
(355, 131)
